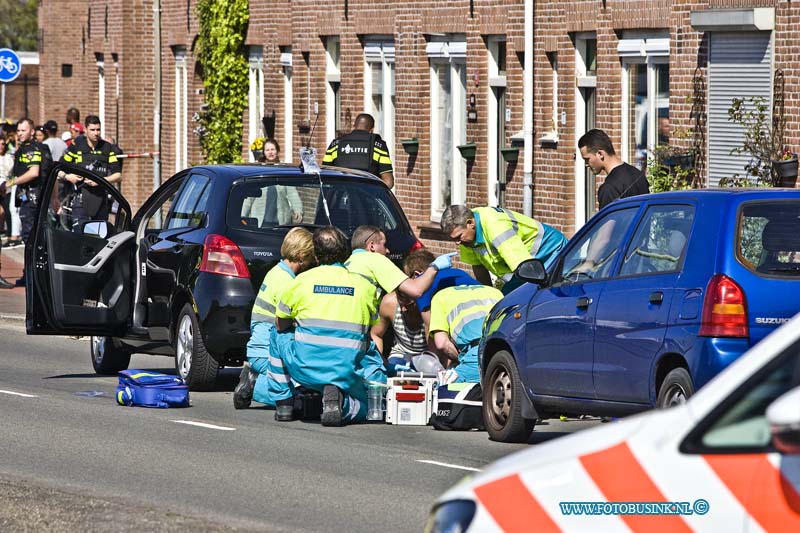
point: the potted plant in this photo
(410, 146)
(671, 169)
(763, 142)
(257, 147)
(785, 167)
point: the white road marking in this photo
(202, 425)
(448, 465)
(12, 393)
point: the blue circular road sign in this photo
(10, 67)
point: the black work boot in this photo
(5, 284)
(331, 406)
(243, 393)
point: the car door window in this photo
(592, 257)
(190, 206)
(660, 240)
(742, 423)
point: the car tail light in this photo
(724, 309)
(416, 246)
(222, 256)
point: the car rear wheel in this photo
(107, 356)
(676, 388)
(192, 361)
(502, 401)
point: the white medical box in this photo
(410, 399)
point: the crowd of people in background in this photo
(27, 152)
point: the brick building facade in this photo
(447, 75)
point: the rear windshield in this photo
(262, 205)
(769, 238)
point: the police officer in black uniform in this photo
(362, 150)
(92, 152)
(27, 163)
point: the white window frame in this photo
(181, 110)
(101, 89)
(636, 48)
(381, 51)
(493, 114)
(552, 134)
(332, 79)
(448, 53)
(255, 94)
(288, 104)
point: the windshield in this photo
(265, 204)
(769, 238)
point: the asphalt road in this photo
(73, 460)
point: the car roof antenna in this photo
(308, 161)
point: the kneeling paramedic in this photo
(297, 252)
(457, 317)
(322, 333)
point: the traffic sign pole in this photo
(3, 104)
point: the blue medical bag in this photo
(151, 389)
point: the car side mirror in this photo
(98, 228)
(533, 271)
(783, 416)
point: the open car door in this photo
(78, 268)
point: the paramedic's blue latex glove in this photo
(443, 261)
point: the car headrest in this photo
(781, 236)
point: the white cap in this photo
(66, 136)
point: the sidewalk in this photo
(12, 301)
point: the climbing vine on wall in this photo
(220, 52)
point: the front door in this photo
(79, 270)
(561, 323)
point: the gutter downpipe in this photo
(157, 101)
(527, 112)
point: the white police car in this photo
(727, 460)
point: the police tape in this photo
(140, 154)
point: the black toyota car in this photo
(179, 278)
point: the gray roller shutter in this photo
(740, 65)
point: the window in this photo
(645, 94)
(191, 204)
(553, 134)
(742, 424)
(769, 242)
(181, 108)
(448, 81)
(288, 110)
(101, 88)
(496, 120)
(379, 92)
(660, 240)
(351, 204)
(332, 97)
(255, 94)
(593, 256)
(585, 115)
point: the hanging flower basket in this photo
(467, 150)
(410, 146)
(510, 153)
(786, 171)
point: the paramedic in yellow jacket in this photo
(497, 240)
(457, 317)
(297, 252)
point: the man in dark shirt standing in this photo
(622, 180)
(92, 152)
(362, 150)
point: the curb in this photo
(14, 317)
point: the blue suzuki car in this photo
(653, 297)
